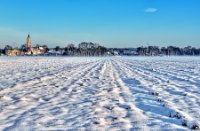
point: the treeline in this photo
(93, 49)
(156, 51)
(83, 49)
(170, 50)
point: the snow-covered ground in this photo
(110, 93)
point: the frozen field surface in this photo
(111, 93)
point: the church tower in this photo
(28, 44)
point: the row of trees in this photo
(170, 50)
(83, 49)
(93, 49)
(157, 51)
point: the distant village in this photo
(93, 49)
(25, 49)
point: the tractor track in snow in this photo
(154, 86)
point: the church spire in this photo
(28, 44)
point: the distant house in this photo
(56, 52)
(129, 51)
(36, 50)
(13, 52)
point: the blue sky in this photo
(113, 23)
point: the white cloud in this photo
(151, 10)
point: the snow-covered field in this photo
(111, 93)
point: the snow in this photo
(99, 93)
